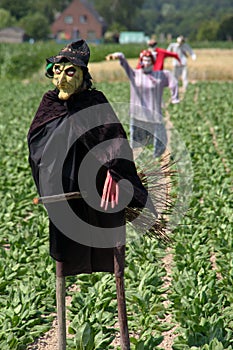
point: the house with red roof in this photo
(79, 20)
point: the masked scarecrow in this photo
(93, 122)
(77, 144)
(146, 92)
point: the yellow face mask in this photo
(67, 78)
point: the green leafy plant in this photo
(199, 296)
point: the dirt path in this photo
(170, 335)
(49, 340)
(167, 261)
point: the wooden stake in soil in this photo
(61, 307)
(119, 263)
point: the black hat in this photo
(78, 53)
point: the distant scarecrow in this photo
(159, 56)
(146, 93)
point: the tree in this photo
(207, 31)
(20, 9)
(49, 8)
(225, 31)
(147, 20)
(17, 8)
(187, 17)
(118, 11)
(6, 20)
(35, 25)
(168, 10)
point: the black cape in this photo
(89, 117)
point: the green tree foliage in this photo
(193, 19)
(186, 16)
(147, 20)
(17, 8)
(167, 10)
(225, 31)
(119, 11)
(35, 25)
(171, 17)
(48, 8)
(208, 31)
(6, 20)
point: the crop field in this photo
(178, 296)
(211, 64)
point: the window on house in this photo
(68, 20)
(83, 19)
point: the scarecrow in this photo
(181, 48)
(159, 55)
(146, 92)
(86, 177)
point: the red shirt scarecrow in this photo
(159, 56)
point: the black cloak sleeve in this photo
(85, 125)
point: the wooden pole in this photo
(119, 263)
(58, 197)
(61, 307)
